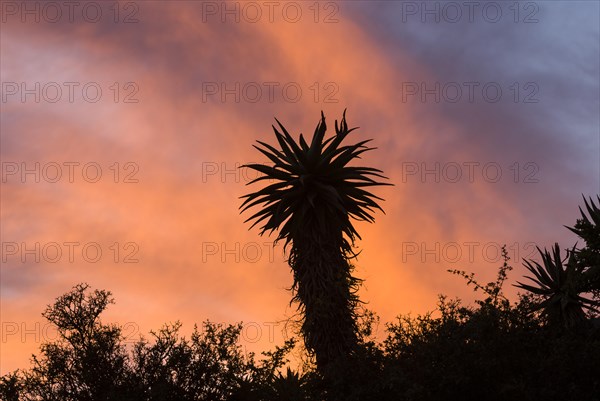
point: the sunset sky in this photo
(132, 117)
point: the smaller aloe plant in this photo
(559, 284)
(292, 387)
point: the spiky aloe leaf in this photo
(592, 220)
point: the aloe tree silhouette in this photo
(311, 203)
(557, 282)
(561, 281)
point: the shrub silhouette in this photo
(89, 361)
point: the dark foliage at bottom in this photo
(492, 351)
